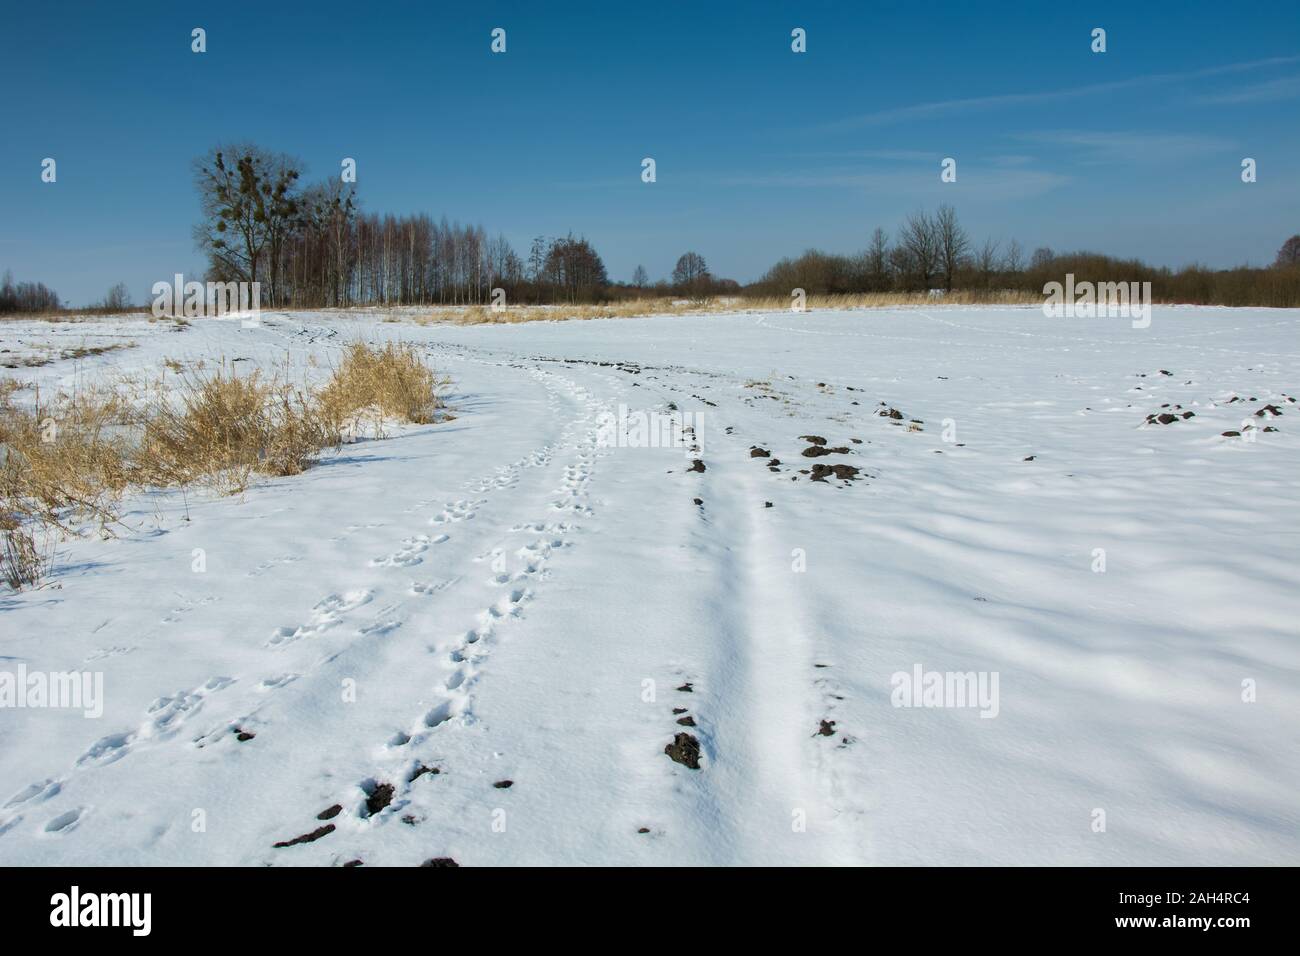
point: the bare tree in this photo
(691, 275)
(986, 260)
(920, 243)
(249, 210)
(1289, 254)
(26, 296)
(952, 241)
(878, 260)
(118, 298)
(1042, 258)
(1014, 260)
(640, 278)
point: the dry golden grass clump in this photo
(59, 462)
(377, 383)
(73, 459)
(68, 458)
(227, 428)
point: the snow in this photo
(505, 596)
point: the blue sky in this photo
(760, 152)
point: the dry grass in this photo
(379, 383)
(73, 458)
(63, 459)
(49, 355)
(23, 563)
(884, 300)
(228, 428)
(632, 308)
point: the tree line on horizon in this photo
(311, 246)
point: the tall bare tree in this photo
(919, 240)
(877, 261)
(952, 241)
(250, 208)
(986, 260)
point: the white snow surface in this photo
(507, 598)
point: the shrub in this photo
(378, 383)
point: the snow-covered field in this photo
(508, 597)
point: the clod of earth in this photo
(420, 771)
(687, 721)
(1268, 410)
(687, 688)
(816, 451)
(767, 504)
(893, 413)
(685, 750)
(827, 728)
(643, 830)
(504, 784)
(757, 452)
(696, 465)
(380, 797)
(329, 813)
(813, 439)
(440, 861)
(306, 837)
(1231, 434)
(679, 710)
(822, 472)
(352, 863)
(241, 735)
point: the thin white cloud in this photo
(1099, 146)
(975, 181)
(1270, 91)
(981, 103)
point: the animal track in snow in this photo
(431, 587)
(327, 613)
(65, 821)
(410, 553)
(163, 719)
(275, 683)
(273, 563)
(456, 511)
(188, 605)
(43, 791)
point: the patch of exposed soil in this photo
(379, 797)
(685, 750)
(307, 837)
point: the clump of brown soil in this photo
(843, 472)
(685, 750)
